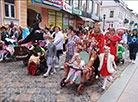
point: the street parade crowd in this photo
(89, 51)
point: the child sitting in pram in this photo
(76, 69)
(7, 50)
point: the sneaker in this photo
(53, 72)
(96, 76)
(130, 61)
(56, 66)
(45, 75)
(100, 90)
(134, 62)
(62, 67)
(110, 79)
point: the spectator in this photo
(69, 31)
(11, 25)
(25, 32)
(65, 37)
(4, 33)
(133, 45)
(58, 41)
(15, 34)
(71, 45)
(20, 31)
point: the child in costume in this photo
(33, 64)
(106, 65)
(133, 45)
(78, 65)
(51, 59)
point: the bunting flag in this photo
(117, 75)
(84, 6)
(30, 2)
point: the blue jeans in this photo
(70, 57)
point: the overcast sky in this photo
(132, 4)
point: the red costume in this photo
(112, 44)
(100, 40)
(104, 72)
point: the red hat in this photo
(108, 29)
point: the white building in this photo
(116, 11)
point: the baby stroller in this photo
(7, 49)
(22, 53)
(86, 74)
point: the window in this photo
(70, 2)
(67, 1)
(9, 8)
(96, 9)
(120, 15)
(111, 25)
(76, 4)
(89, 6)
(111, 14)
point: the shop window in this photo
(111, 14)
(9, 8)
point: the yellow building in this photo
(23, 13)
(13, 10)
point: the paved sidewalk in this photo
(124, 89)
(130, 93)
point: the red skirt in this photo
(104, 72)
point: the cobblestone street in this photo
(17, 86)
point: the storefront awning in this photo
(86, 19)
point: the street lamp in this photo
(104, 16)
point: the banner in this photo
(54, 3)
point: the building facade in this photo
(15, 10)
(54, 12)
(117, 14)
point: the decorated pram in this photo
(22, 53)
(88, 72)
(7, 49)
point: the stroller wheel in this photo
(62, 83)
(81, 89)
(93, 79)
(25, 63)
(123, 61)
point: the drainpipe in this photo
(19, 3)
(1, 12)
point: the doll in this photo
(106, 65)
(76, 68)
